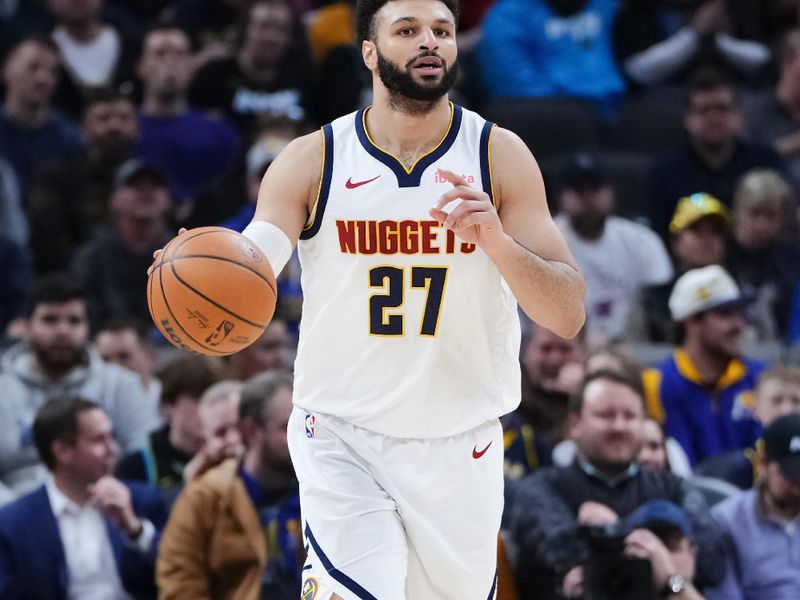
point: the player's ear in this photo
(369, 52)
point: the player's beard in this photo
(406, 94)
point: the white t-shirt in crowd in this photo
(626, 258)
(92, 64)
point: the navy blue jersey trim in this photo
(494, 585)
(324, 185)
(486, 163)
(336, 573)
(409, 178)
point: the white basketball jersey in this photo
(406, 329)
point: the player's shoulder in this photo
(514, 168)
(506, 141)
(509, 153)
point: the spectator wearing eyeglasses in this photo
(715, 155)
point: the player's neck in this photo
(405, 135)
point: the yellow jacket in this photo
(213, 546)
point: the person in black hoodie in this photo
(269, 75)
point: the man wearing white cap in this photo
(704, 391)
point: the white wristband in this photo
(272, 241)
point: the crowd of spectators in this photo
(662, 437)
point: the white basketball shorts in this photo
(397, 519)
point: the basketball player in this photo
(420, 227)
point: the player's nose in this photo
(428, 40)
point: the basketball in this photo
(212, 291)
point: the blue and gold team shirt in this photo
(524, 450)
(280, 522)
(706, 422)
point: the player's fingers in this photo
(470, 220)
(452, 177)
(451, 195)
(182, 230)
(438, 215)
(462, 192)
(459, 212)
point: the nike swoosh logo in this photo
(477, 454)
(351, 185)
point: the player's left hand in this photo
(474, 219)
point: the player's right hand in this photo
(157, 253)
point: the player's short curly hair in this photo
(365, 16)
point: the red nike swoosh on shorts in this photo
(351, 185)
(476, 454)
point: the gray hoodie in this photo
(23, 390)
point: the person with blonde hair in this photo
(776, 395)
(218, 409)
(762, 256)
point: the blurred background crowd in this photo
(668, 134)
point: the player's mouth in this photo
(428, 65)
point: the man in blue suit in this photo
(83, 534)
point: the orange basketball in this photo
(212, 291)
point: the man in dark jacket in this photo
(83, 534)
(601, 488)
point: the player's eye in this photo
(406, 31)
(441, 32)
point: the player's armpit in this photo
(540, 268)
(289, 189)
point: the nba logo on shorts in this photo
(310, 421)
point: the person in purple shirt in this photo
(193, 148)
(763, 553)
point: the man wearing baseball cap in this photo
(661, 532)
(699, 232)
(761, 524)
(703, 393)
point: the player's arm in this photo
(520, 235)
(286, 198)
